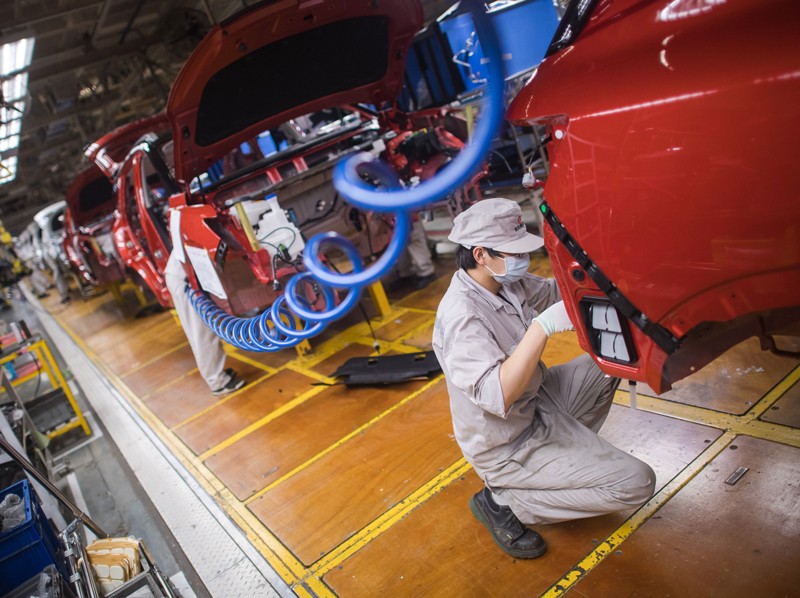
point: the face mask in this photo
(516, 267)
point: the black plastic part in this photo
(387, 369)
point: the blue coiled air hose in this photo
(290, 319)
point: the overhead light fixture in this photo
(15, 58)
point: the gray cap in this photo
(495, 223)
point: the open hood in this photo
(280, 59)
(90, 196)
(109, 152)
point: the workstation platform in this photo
(351, 491)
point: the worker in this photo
(206, 346)
(415, 266)
(529, 431)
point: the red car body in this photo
(265, 68)
(130, 158)
(88, 242)
(672, 193)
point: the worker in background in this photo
(529, 431)
(415, 266)
(205, 345)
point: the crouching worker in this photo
(529, 431)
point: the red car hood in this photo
(282, 59)
(110, 150)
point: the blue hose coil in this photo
(290, 319)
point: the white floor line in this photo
(224, 559)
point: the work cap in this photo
(494, 223)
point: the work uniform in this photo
(205, 345)
(542, 456)
(416, 260)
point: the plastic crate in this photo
(47, 584)
(28, 548)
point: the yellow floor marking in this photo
(222, 401)
(154, 359)
(315, 588)
(343, 440)
(374, 529)
(272, 415)
(310, 373)
(747, 424)
(780, 389)
(636, 520)
(241, 356)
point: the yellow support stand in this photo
(45, 359)
(379, 298)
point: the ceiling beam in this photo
(46, 15)
(38, 74)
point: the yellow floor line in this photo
(769, 399)
(222, 400)
(416, 330)
(594, 558)
(154, 359)
(241, 356)
(314, 588)
(308, 373)
(343, 440)
(746, 424)
(272, 415)
(371, 531)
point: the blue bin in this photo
(28, 548)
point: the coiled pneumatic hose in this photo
(290, 319)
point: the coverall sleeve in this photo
(472, 359)
(541, 292)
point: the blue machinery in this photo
(290, 320)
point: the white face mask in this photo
(516, 267)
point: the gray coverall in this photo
(417, 257)
(542, 456)
(206, 346)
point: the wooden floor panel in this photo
(279, 446)
(714, 539)
(442, 550)
(242, 409)
(321, 506)
(732, 383)
(402, 324)
(188, 395)
(161, 372)
(786, 410)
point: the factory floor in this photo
(356, 492)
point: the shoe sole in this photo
(478, 513)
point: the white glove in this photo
(554, 319)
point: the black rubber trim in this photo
(660, 335)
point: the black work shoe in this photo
(234, 383)
(507, 531)
(424, 281)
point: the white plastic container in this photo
(274, 230)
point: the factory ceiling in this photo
(96, 65)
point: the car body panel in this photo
(88, 219)
(139, 228)
(673, 133)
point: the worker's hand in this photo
(554, 319)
